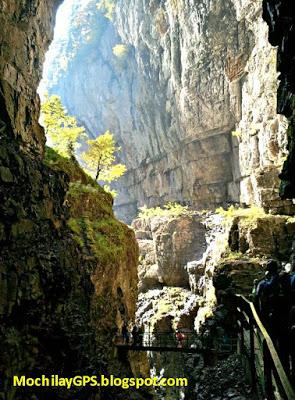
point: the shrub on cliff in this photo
(120, 50)
(250, 212)
(107, 7)
(169, 210)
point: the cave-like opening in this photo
(188, 93)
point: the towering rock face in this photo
(62, 298)
(190, 99)
(182, 51)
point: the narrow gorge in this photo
(199, 98)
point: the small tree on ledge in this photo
(100, 156)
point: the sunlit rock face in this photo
(190, 75)
(166, 246)
(181, 52)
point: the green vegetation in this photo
(229, 256)
(107, 7)
(67, 165)
(104, 238)
(169, 210)
(120, 50)
(252, 212)
(90, 202)
(62, 129)
(236, 134)
(91, 221)
(76, 188)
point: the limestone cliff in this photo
(191, 99)
(62, 298)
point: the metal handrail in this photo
(249, 319)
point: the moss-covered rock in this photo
(6, 175)
(22, 228)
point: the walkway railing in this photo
(267, 372)
(167, 341)
(160, 341)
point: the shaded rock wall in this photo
(282, 34)
(191, 75)
(27, 30)
(59, 309)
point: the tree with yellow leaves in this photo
(100, 158)
(62, 129)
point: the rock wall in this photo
(59, 309)
(260, 134)
(27, 30)
(166, 246)
(191, 100)
(281, 34)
